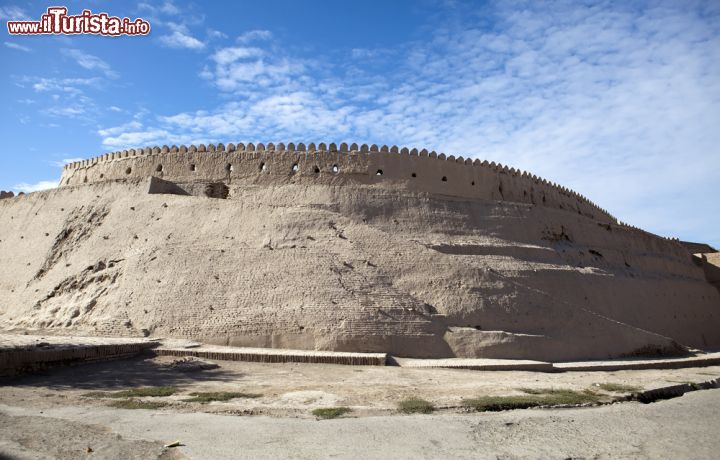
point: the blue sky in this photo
(619, 101)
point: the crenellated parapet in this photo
(332, 164)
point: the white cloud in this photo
(215, 35)
(180, 38)
(66, 85)
(15, 46)
(227, 56)
(253, 70)
(139, 139)
(67, 111)
(36, 187)
(65, 161)
(89, 62)
(168, 8)
(254, 35)
(130, 126)
(13, 13)
(370, 54)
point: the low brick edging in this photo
(281, 356)
(273, 355)
(18, 361)
(679, 363)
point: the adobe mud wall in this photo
(338, 249)
(332, 165)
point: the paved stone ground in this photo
(684, 427)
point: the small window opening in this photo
(472, 183)
(413, 175)
(295, 167)
(193, 167)
(85, 180)
(444, 178)
(128, 171)
(263, 166)
(317, 170)
(379, 172)
(102, 175)
(159, 168)
(228, 167)
(335, 169)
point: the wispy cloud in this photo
(252, 70)
(16, 46)
(65, 161)
(254, 35)
(140, 138)
(36, 187)
(129, 126)
(89, 62)
(168, 8)
(213, 34)
(68, 111)
(13, 13)
(66, 85)
(181, 38)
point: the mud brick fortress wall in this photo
(345, 248)
(329, 164)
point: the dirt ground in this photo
(46, 415)
(294, 390)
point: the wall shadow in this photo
(143, 370)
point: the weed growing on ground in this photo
(135, 404)
(133, 393)
(330, 412)
(534, 397)
(415, 406)
(618, 387)
(206, 397)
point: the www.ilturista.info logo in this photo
(57, 21)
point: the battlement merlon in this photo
(332, 164)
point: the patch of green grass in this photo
(330, 412)
(133, 392)
(533, 398)
(135, 404)
(206, 397)
(618, 387)
(415, 406)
